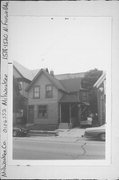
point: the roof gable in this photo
(65, 82)
(55, 82)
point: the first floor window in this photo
(36, 92)
(42, 111)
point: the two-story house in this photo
(53, 101)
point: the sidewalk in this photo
(59, 133)
(49, 139)
(74, 133)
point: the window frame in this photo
(34, 92)
(47, 92)
(45, 109)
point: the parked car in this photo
(95, 133)
(19, 131)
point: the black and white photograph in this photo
(58, 89)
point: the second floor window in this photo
(49, 91)
(36, 92)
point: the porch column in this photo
(60, 113)
(70, 115)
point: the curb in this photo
(42, 133)
(48, 139)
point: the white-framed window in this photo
(42, 111)
(49, 91)
(36, 92)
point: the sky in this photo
(64, 45)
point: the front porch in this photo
(69, 116)
(72, 112)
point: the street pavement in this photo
(57, 148)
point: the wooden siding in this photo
(52, 103)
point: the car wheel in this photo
(102, 137)
(14, 133)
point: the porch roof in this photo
(70, 98)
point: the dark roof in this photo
(56, 82)
(65, 82)
(69, 98)
(70, 75)
(30, 74)
(71, 85)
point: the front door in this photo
(65, 113)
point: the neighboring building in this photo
(101, 98)
(23, 77)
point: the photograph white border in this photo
(70, 9)
(107, 159)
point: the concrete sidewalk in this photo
(74, 133)
(59, 133)
(49, 139)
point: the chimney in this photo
(47, 70)
(52, 73)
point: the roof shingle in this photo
(64, 82)
(72, 85)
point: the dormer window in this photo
(36, 92)
(49, 91)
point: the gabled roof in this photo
(24, 72)
(55, 82)
(72, 84)
(66, 82)
(100, 80)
